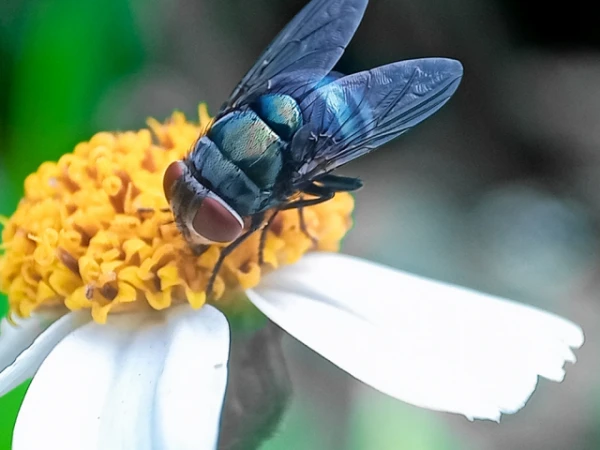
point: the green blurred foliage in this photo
(9, 404)
(380, 422)
(65, 53)
(298, 431)
(5, 200)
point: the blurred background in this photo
(499, 191)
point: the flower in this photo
(108, 312)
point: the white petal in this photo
(23, 348)
(192, 386)
(14, 338)
(143, 381)
(425, 342)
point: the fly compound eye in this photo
(173, 173)
(216, 221)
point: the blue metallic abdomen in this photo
(244, 152)
(280, 112)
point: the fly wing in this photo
(355, 114)
(303, 53)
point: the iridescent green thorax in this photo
(244, 139)
(243, 154)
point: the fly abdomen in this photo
(281, 112)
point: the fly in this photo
(290, 122)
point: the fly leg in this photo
(321, 193)
(339, 183)
(263, 238)
(303, 226)
(254, 225)
(326, 188)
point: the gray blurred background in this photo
(499, 191)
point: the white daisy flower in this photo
(111, 320)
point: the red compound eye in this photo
(172, 174)
(216, 221)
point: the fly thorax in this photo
(217, 171)
(251, 145)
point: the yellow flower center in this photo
(94, 231)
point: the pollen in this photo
(94, 231)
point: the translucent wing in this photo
(355, 114)
(304, 52)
